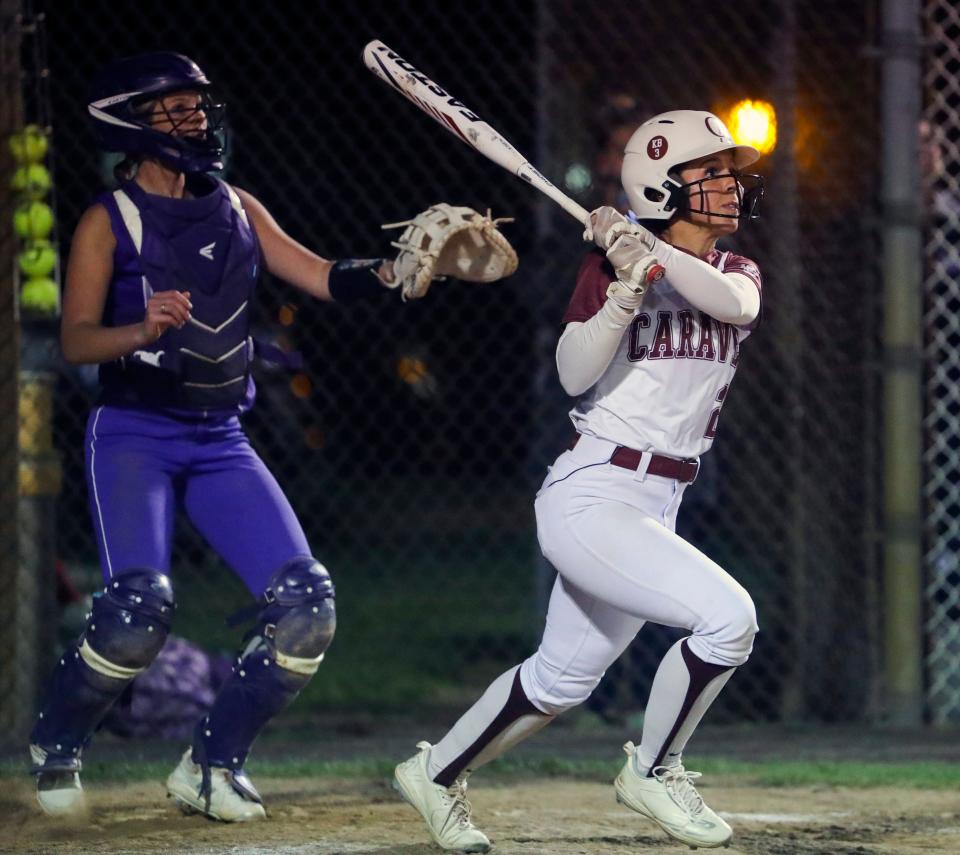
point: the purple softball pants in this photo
(143, 465)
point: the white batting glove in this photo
(635, 265)
(607, 224)
(625, 295)
(604, 226)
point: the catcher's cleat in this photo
(670, 799)
(232, 797)
(445, 809)
(59, 790)
(61, 794)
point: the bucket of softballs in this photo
(38, 261)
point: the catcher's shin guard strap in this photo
(355, 279)
(238, 778)
(299, 664)
(105, 666)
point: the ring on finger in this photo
(163, 308)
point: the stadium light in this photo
(754, 123)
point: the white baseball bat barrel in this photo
(454, 116)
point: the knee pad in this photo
(129, 623)
(298, 618)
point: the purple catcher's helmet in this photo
(116, 103)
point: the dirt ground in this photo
(523, 815)
(549, 817)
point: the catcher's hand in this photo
(446, 240)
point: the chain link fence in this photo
(414, 441)
(940, 141)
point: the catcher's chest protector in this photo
(203, 245)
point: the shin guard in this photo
(296, 623)
(127, 626)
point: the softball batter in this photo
(651, 366)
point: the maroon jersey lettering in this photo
(723, 339)
(711, 430)
(685, 348)
(662, 347)
(704, 348)
(637, 351)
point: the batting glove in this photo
(607, 224)
(625, 295)
(636, 267)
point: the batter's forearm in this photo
(731, 299)
(586, 349)
(92, 343)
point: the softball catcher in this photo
(160, 287)
(653, 337)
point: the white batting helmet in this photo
(660, 146)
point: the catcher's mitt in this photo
(446, 240)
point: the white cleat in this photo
(61, 794)
(59, 791)
(445, 809)
(670, 799)
(232, 797)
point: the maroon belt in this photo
(665, 467)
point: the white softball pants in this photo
(610, 534)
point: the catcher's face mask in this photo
(120, 93)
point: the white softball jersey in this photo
(664, 387)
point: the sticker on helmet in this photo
(657, 148)
(718, 129)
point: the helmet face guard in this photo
(663, 145)
(123, 90)
(749, 193)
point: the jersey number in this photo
(711, 431)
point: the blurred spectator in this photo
(940, 211)
(67, 593)
(73, 603)
(941, 206)
(616, 121)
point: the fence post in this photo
(902, 334)
(36, 586)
